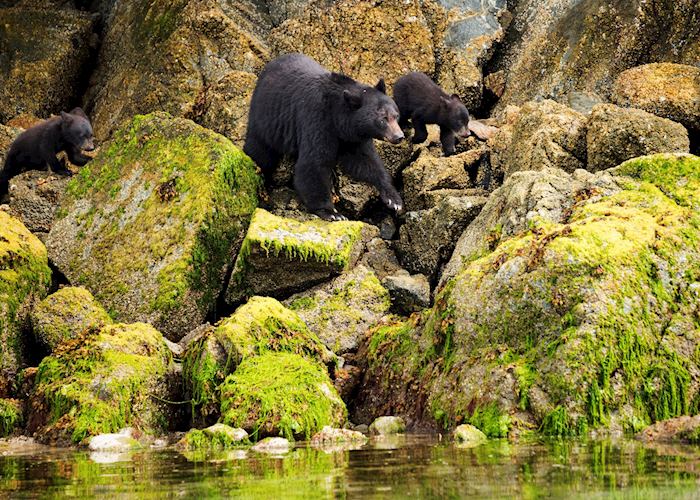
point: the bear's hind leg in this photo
(264, 157)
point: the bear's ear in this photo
(381, 86)
(78, 112)
(455, 97)
(353, 100)
(66, 117)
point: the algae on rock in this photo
(101, 382)
(151, 225)
(281, 394)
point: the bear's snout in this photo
(394, 133)
(88, 145)
(464, 131)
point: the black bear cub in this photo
(321, 118)
(423, 102)
(36, 147)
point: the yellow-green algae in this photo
(259, 326)
(66, 314)
(100, 382)
(11, 416)
(596, 315)
(281, 394)
(24, 276)
(157, 218)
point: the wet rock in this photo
(539, 327)
(118, 442)
(330, 437)
(272, 445)
(35, 196)
(439, 176)
(44, 76)
(100, 383)
(544, 134)
(386, 426)
(361, 38)
(24, 279)
(280, 256)
(11, 416)
(428, 237)
(667, 90)
(187, 58)
(65, 315)
(380, 258)
(409, 293)
(257, 397)
(259, 326)
(617, 134)
(468, 436)
(354, 197)
(214, 437)
(152, 238)
(341, 311)
(684, 429)
(346, 381)
(577, 49)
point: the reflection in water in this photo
(419, 466)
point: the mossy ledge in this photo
(151, 225)
(566, 328)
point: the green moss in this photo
(261, 325)
(186, 195)
(559, 423)
(490, 420)
(215, 438)
(280, 394)
(103, 381)
(10, 416)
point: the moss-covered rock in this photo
(581, 324)
(261, 325)
(11, 416)
(101, 382)
(341, 311)
(387, 425)
(280, 256)
(361, 38)
(664, 89)
(617, 134)
(151, 224)
(214, 438)
(329, 437)
(280, 394)
(467, 435)
(24, 278)
(65, 315)
(43, 55)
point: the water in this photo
(416, 466)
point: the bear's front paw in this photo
(393, 201)
(330, 215)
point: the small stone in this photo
(234, 434)
(409, 292)
(386, 426)
(468, 436)
(117, 442)
(333, 436)
(272, 445)
(363, 428)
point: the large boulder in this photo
(44, 54)
(569, 326)
(280, 255)
(664, 89)
(35, 197)
(102, 382)
(259, 326)
(617, 134)
(24, 278)
(150, 225)
(542, 134)
(185, 57)
(365, 39)
(572, 51)
(281, 394)
(340, 312)
(65, 315)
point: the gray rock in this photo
(409, 293)
(387, 426)
(35, 196)
(380, 258)
(332, 437)
(118, 442)
(272, 445)
(468, 436)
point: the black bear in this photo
(321, 118)
(36, 147)
(422, 101)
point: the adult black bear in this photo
(421, 100)
(36, 147)
(301, 109)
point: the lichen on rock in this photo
(281, 394)
(151, 224)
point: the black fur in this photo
(321, 118)
(422, 101)
(36, 147)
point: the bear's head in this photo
(372, 113)
(76, 129)
(457, 115)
